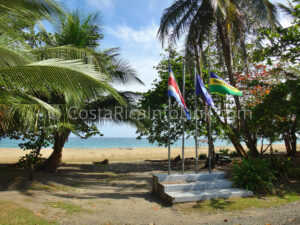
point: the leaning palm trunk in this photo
(227, 53)
(52, 163)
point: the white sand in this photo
(72, 155)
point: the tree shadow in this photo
(216, 204)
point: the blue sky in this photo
(131, 25)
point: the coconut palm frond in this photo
(63, 76)
(106, 62)
(90, 56)
(184, 22)
(13, 52)
(172, 15)
(21, 99)
(286, 9)
(42, 7)
(117, 114)
(122, 73)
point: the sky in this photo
(131, 25)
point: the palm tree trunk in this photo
(51, 164)
(227, 52)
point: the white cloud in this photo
(142, 35)
(141, 48)
(101, 4)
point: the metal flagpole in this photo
(196, 125)
(169, 133)
(209, 129)
(209, 139)
(182, 119)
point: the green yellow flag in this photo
(217, 84)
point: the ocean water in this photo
(106, 142)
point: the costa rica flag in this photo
(173, 91)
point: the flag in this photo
(217, 84)
(173, 91)
(201, 90)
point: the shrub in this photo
(253, 174)
(283, 168)
(225, 152)
(202, 156)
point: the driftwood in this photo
(104, 162)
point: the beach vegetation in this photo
(12, 213)
(254, 174)
(70, 208)
(238, 204)
(60, 71)
(266, 69)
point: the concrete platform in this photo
(208, 194)
(189, 177)
(194, 187)
(198, 185)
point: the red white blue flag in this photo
(173, 91)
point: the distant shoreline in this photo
(89, 155)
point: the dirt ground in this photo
(120, 193)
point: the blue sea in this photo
(107, 142)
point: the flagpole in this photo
(196, 125)
(209, 130)
(169, 134)
(182, 119)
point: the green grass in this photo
(68, 207)
(13, 214)
(234, 204)
(50, 187)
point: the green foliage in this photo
(277, 116)
(283, 168)
(69, 207)
(79, 30)
(253, 174)
(156, 101)
(282, 44)
(12, 213)
(225, 152)
(202, 156)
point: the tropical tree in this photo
(77, 37)
(231, 20)
(28, 84)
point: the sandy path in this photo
(119, 194)
(72, 155)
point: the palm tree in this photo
(27, 84)
(229, 18)
(289, 9)
(77, 37)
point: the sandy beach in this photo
(73, 155)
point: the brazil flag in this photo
(217, 84)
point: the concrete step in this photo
(189, 177)
(198, 185)
(207, 194)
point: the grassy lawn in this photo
(234, 204)
(13, 214)
(50, 187)
(68, 207)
